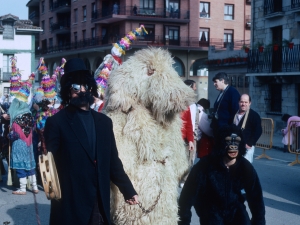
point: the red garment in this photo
(187, 127)
(204, 145)
(101, 107)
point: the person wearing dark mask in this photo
(215, 182)
(84, 149)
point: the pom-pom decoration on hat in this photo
(15, 79)
(113, 60)
(39, 94)
(47, 83)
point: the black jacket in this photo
(79, 175)
(226, 107)
(215, 193)
(253, 129)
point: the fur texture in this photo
(144, 99)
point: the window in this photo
(276, 97)
(8, 32)
(75, 15)
(75, 36)
(151, 33)
(84, 13)
(204, 9)
(233, 81)
(228, 37)
(178, 66)
(147, 4)
(228, 12)
(247, 81)
(50, 23)
(50, 42)
(204, 37)
(93, 31)
(6, 91)
(6, 63)
(43, 25)
(43, 6)
(94, 7)
(50, 4)
(83, 34)
(240, 81)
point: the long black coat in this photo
(79, 175)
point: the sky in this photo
(15, 7)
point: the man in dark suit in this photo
(249, 122)
(226, 104)
(85, 153)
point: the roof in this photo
(19, 24)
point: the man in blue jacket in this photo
(226, 104)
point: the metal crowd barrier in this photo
(265, 141)
(294, 140)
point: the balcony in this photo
(273, 8)
(271, 60)
(61, 27)
(32, 3)
(142, 14)
(34, 17)
(295, 5)
(61, 6)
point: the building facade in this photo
(87, 29)
(274, 60)
(17, 39)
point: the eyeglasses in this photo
(77, 87)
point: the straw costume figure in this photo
(144, 99)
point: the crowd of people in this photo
(85, 152)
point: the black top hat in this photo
(74, 65)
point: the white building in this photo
(17, 38)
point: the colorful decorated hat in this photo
(24, 92)
(47, 83)
(15, 79)
(113, 60)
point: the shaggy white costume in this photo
(144, 99)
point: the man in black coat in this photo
(214, 188)
(226, 104)
(249, 122)
(85, 153)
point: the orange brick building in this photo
(87, 29)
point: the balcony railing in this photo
(141, 12)
(273, 60)
(60, 4)
(155, 40)
(295, 4)
(272, 6)
(61, 25)
(33, 15)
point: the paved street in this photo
(281, 185)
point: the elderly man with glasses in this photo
(85, 153)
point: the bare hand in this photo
(133, 201)
(96, 99)
(191, 146)
(247, 146)
(6, 116)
